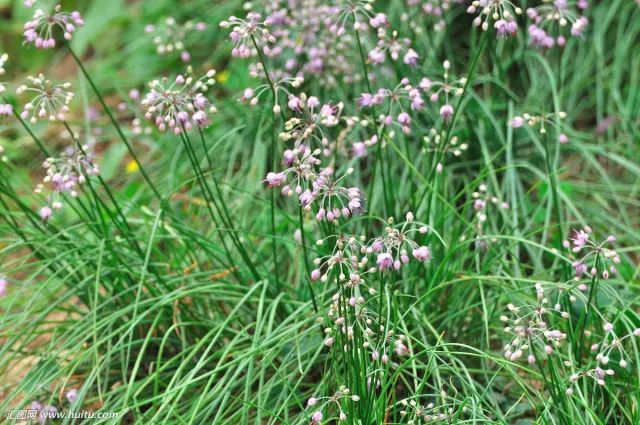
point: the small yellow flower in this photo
(132, 166)
(223, 77)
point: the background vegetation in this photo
(174, 310)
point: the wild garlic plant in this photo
(320, 212)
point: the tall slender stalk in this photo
(448, 131)
(306, 257)
(206, 192)
(115, 124)
(223, 211)
(272, 160)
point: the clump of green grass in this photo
(457, 241)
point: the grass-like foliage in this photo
(321, 211)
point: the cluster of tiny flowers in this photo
(171, 36)
(541, 120)
(393, 248)
(391, 46)
(71, 395)
(248, 33)
(41, 29)
(309, 126)
(501, 12)
(347, 142)
(301, 163)
(5, 108)
(433, 143)
(323, 404)
(610, 343)
(445, 411)
(305, 43)
(334, 199)
(180, 104)
(348, 314)
(482, 200)
(395, 97)
(596, 258)
(281, 86)
(529, 326)
(348, 257)
(429, 413)
(552, 17)
(360, 12)
(43, 412)
(447, 87)
(129, 110)
(359, 149)
(64, 175)
(434, 10)
(50, 101)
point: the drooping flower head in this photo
(169, 36)
(301, 163)
(483, 203)
(502, 13)
(334, 200)
(313, 186)
(64, 176)
(357, 14)
(282, 87)
(332, 403)
(531, 328)
(610, 348)
(543, 120)
(42, 28)
(311, 122)
(181, 103)
(347, 258)
(305, 43)
(447, 88)
(434, 142)
(445, 408)
(50, 101)
(596, 257)
(5, 109)
(397, 245)
(248, 33)
(554, 20)
(401, 101)
(393, 47)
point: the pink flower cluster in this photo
(501, 12)
(64, 176)
(41, 29)
(170, 36)
(553, 17)
(393, 248)
(181, 104)
(247, 34)
(597, 257)
(334, 200)
(397, 114)
(5, 109)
